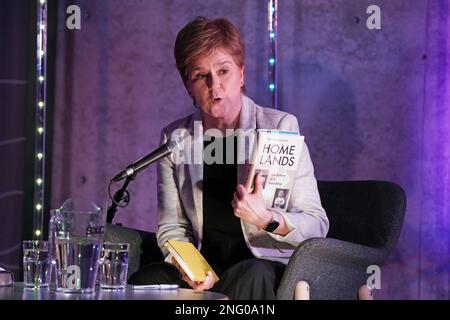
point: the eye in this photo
(223, 71)
(200, 76)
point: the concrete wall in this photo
(373, 104)
(14, 87)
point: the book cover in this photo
(276, 158)
(190, 260)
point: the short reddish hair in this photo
(202, 36)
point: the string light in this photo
(273, 28)
(39, 165)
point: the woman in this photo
(205, 202)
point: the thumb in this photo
(258, 184)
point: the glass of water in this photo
(36, 263)
(114, 265)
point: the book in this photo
(276, 158)
(190, 260)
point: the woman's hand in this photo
(198, 286)
(251, 207)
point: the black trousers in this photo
(252, 279)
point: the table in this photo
(19, 292)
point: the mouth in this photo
(216, 100)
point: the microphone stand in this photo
(121, 194)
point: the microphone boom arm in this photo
(130, 173)
(119, 196)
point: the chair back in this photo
(369, 212)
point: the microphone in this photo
(142, 163)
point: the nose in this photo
(213, 82)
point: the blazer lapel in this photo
(195, 167)
(246, 137)
(248, 126)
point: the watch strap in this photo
(272, 225)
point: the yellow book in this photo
(190, 260)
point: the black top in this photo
(223, 243)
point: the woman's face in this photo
(214, 82)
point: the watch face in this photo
(272, 226)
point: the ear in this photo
(242, 76)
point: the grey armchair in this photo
(365, 222)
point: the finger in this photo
(175, 264)
(207, 283)
(184, 277)
(183, 274)
(191, 283)
(199, 286)
(235, 200)
(212, 280)
(237, 213)
(235, 195)
(241, 192)
(258, 183)
(237, 209)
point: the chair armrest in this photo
(334, 269)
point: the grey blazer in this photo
(180, 212)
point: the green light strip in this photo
(39, 160)
(273, 38)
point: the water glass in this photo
(114, 265)
(36, 263)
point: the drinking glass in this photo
(114, 265)
(36, 263)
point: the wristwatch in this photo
(272, 225)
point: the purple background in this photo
(14, 86)
(373, 104)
